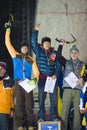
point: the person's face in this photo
(74, 55)
(46, 45)
(24, 49)
(2, 71)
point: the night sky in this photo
(16, 8)
(4, 55)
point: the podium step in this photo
(49, 125)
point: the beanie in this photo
(3, 64)
(74, 48)
(45, 39)
(23, 43)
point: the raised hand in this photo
(37, 27)
(32, 82)
(8, 25)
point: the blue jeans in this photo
(42, 97)
(4, 118)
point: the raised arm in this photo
(8, 43)
(34, 40)
(60, 58)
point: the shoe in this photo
(20, 128)
(30, 128)
(40, 120)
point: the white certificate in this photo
(49, 85)
(25, 85)
(71, 79)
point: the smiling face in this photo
(24, 49)
(74, 55)
(46, 45)
(2, 71)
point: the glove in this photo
(32, 82)
(8, 25)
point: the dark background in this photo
(24, 18)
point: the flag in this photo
(60, 93)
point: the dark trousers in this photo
(10, 124)
(23, 106)
(4, 118)
(42, 98)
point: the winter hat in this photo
(74, 48)
(3, 64)
(24, 43)
(45, 39)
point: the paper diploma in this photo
(49, 85)
(71, 79)
(25, 85)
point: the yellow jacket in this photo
(6, 96)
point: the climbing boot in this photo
(30, 128)
(20, 128)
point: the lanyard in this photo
(24, 66)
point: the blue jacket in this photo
(18, 69)
(83, 102)
(46, 61)
(83, 97)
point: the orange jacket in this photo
(6, 96)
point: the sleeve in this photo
(34, 42)
(81, 106)
(58, 68)
(60, 58)
(35, 69)
(8, 43)
(82, 98)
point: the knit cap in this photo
(74, 48)
(24, 43)
(45, 39)
(3, 64)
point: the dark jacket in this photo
(46, 60)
